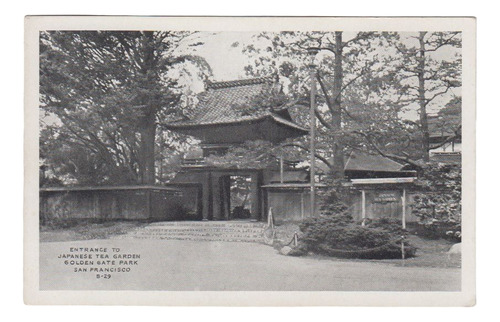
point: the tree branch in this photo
(319, 157)
(447, 41)
(321, 119)
(428, 100)
(388, 155)
(359, 36)
(328, 99)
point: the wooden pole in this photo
(313, 138)
(281, 169)
(403, 222)
(302, 205)
(363, 207)
(403, 217)
(402, 248)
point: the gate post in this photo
(255, 196)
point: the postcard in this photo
(250, 161)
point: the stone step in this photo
(199, 236)
(246, 240)
(193, 237)
(200, 231)
(146, 233)
(205, 229)
(207, 224)
(196, 234)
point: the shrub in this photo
(392, 225)
(239, 212)
(333, 202)
(438, 203)
(340, 236)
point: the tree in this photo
(358, 86)
(106, 93)
(367, 83)
(434, 77)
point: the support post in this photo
(254, 195)
(281, 169)
(402, 248)
(148, 200)
(207, 197)
(403, 203)
(363, 207)
(264, 204)
(403, 222)
(313, 138)
(302, 205)
(216, 197)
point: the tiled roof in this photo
(443, 125)
(361, 161)
(446, 157)
(231, 101)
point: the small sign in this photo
(386, 197)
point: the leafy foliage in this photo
(103, 95)
(438, 204)
(254, 155)
(339, 236)
(368, 81)
(332, 201)
(335, 233)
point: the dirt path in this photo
(227, 266)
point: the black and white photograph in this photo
(226, 156)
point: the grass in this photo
(432, 253)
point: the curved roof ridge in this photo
(240, 82)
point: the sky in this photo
(228, 62)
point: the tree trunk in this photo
(148, 134)
(338, 148)
(148, 124)
(424, 126)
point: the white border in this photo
(33, 296)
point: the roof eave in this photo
(270, 116)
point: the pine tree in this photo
(106, 93)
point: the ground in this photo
(182, 265)
(87, 231)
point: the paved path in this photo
(227, 266)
